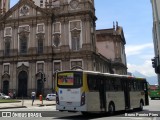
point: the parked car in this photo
(51, 96)
(3, 96)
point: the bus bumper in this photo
(71, 108)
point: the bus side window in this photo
(118, 85)
(112, 84)
(107, 85)
(122, 84)
(139, 85)
(134, 86)
(92, 82)
(100, 82)
(142, 85)
(131, 86)
(89, 82)
(77, 80)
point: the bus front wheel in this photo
(111, 108)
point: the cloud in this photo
(137, 49)
(145, 68)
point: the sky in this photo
(135, 16)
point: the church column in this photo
(32, 78)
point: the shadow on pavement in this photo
(80, 116)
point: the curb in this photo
(11, 102)
(41, 105)
(13, 107)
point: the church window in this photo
(40, 45)
(40, 67)
(8, 31)
(75, 40)
(75, 36)
(7, 48)
(6, 69)
(57, 66)
(40, 28)
(23, 45)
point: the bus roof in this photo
(105, 74)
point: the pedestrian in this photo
(10, 95)
(14, 95)
(33, 97)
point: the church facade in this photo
(36, 39)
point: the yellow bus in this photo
(88, 91)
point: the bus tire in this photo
(85, 113)
(141, 105)
(111, 108)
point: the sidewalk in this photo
(26, 103)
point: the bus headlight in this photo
(57, 98)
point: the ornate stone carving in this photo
(76, 24)
(40, 36)
(74, 4)
(5, 76)
(22, 68)
(24, 28)
(56, 40)
(24, 10)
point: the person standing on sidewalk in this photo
(33, 97)
(14, 95)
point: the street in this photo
(49, 113)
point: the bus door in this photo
(126, 86)
(102, 94)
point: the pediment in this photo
(38, 75)
(6, 76)
(22, 68)
(24, 8)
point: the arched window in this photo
(40, 39)
(23, 44)
(7, 47)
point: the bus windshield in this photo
(69, 79)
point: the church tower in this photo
(4, 6)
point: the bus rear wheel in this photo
(111, 108)
(141, 106)
(86, 113)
